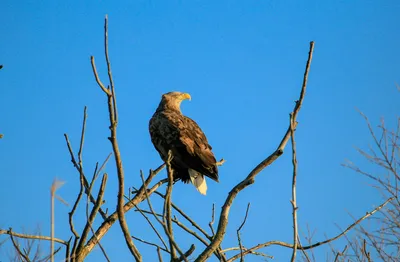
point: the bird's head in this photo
(172, 100)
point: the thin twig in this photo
(193, 233)
(117, 155)
(80, 163)
(288, 245)
(141, 195)
(302, 250)
(166, 223)
(105, 90)
(102, 165)
(96, 207)
(341, 253)
(53, 254)
(84, 181)
(93, 214)
(172, 242)
(217, 253)
(390, 167)
(16, 247)
(153, 227)
(223, 221)
(212, 220)
(244, 248)
(293, 201)
(79, 167)
(71, 214)
(110, 78)
(150, 205)
(182, 213)
(365, 251)
(238, 233)
(151, 244)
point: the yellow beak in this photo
(186, 96)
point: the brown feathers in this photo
(170, 130)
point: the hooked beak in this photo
(186, 96)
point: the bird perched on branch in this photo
(170, 130)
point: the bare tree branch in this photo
(183, 214)
(53, 254)
(212, 220)
(105, 90)
(16, 246)
(341, 253)
(294, 201)
(385, 153)
(99, 201)
(153, 227)
(140, 195)
(167, 208)
(110, 78)
(223, 221)
(8, 232)
(83, 180)
(305, 255)
(284, 244)
(187, 253)
(102, 167)
(390, 167)
(151, 244)
(238, 233)
(80, 163)
(93, 213)
(245, 249)
(112, 110)
(365, 251)
(217, 253)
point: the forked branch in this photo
(223, 221)
(112, 111)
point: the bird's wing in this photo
(195, 149)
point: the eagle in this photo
(171, 131)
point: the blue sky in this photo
(242, 62)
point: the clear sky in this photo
(242, 62)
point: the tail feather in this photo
(198, 181)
